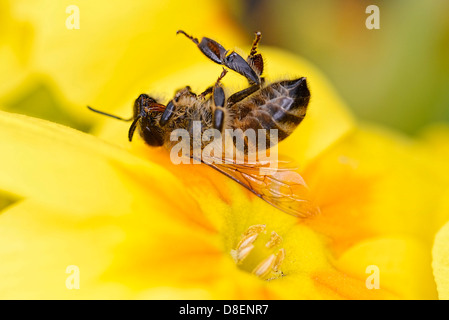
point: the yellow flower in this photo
(127, 223)
(436, 144)
(137, 226)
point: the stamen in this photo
(274, 241)
(257, 228)
(241, 254)
(247, 240)
(265, 267)
(247, 254)
(279, 259)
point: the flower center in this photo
(259, 252)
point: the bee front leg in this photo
(184, 91)
(203, 94)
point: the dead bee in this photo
(281, 105)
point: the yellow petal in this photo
(371, 184)
(440, 263)
(15, 42)
(42, 156)
(433, 152)
(76, 197)
(309, 272)
(121, 220)
(403, 266)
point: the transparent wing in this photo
(277, 183)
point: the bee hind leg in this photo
(210, 48)
(230, 59)
(255, 59)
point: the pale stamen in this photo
(265, 267)
(279, 259)
(257, 228)
(274, 241)
(268, 266)
(243, 253)
(247, 240)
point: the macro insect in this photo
(280, 105)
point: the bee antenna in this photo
(109, 115)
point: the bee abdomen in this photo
(299, 92)
(281, 111)
(286, 107)
(280, 106)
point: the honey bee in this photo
(280, 105)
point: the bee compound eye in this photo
(168, 112)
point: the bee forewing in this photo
(282, 187)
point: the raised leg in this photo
(255, 59)
(217, 53)
(210, 89)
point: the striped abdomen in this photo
(281, 105)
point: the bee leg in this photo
(256, 41)
(255, 59)
(218, 54)
(210, 48)
(219, 99)
(206, 92)
(218, 119)
(239, 96)
(186, 89)
(210, 89)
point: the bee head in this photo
(146, 110)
